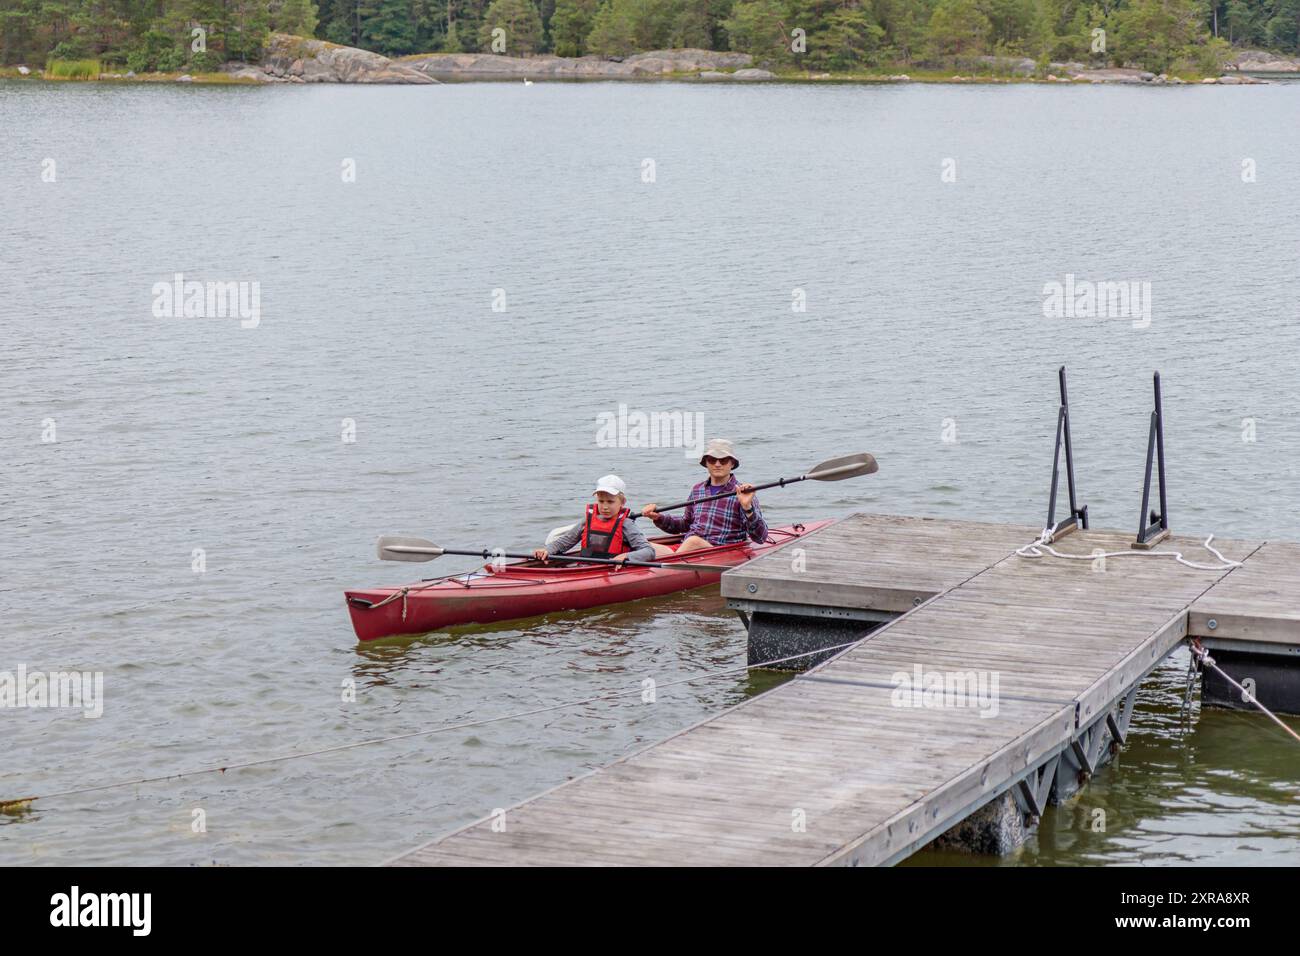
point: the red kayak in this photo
(529, 588)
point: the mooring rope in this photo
(1203, 656)
(400, 593)
(1035, 549)
(22, 802)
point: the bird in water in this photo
(527, 82)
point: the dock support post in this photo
(1004, 823)
(1094, 746)
(1153, 527)
(1033, 792)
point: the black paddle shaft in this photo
(489, 555)
(779, 483)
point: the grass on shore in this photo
(72, 70)
(109, 73)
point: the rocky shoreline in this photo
(291, 59)
(652, 64)
(1261, 61)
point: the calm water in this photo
(477, 428)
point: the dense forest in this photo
(1191, 36)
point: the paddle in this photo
(834, 469)
(403, 548)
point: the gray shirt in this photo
(641, 549)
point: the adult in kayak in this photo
(717, 522)
(605, 531)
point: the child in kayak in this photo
(606, 531)
(718, 522)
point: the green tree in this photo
(1041, 41)
(247, 26)
(959, 27)
(1239, 20)
(1155, 33)
(848, 39)
(338, 22)
(692, 24)
(839, 34)
(1282, 30)
(388, 27)
(520, 21)
(452, 44)
(1009, 21)
(298, 17)
(612, 33)
(904, 23)
(570, 25)
(761, 28)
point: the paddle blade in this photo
(394, 547)
(850, 466)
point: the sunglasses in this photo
(710, 460)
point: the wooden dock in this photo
(844, 764)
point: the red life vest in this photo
(603, 537)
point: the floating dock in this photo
(863, 760)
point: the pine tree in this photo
(298, 17)
(959, 28)
(762, 29)
(570, 25)
(520, 21)
(387, 27)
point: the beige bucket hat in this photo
(721, 448)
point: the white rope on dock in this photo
(1035, 549)
(21, 802)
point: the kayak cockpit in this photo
(564, 570)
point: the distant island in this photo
(414, 41)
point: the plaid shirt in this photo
(718, 522)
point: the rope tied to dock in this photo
(1035, 549)
(1202, 657)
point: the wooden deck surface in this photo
(1257, 602)
(909, 560)
(872, 776)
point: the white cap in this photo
(611, 484)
